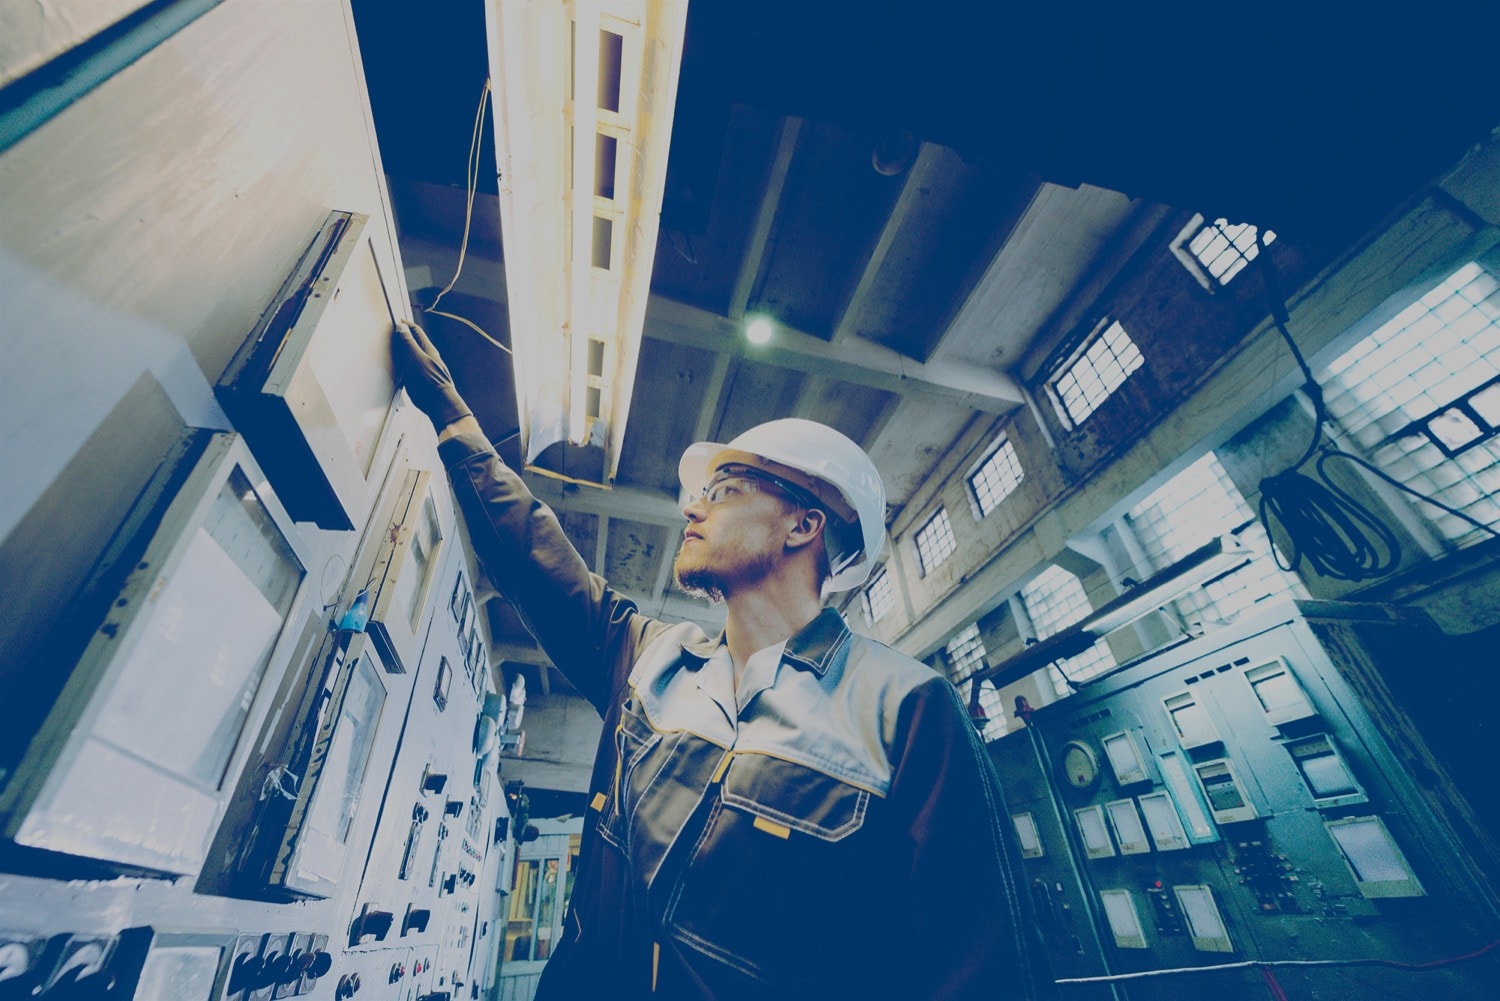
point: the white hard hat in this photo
(821, 453)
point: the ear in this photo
(807, 529)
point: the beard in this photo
(714, 580)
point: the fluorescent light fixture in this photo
(584, 96)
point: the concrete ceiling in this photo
(912, 303)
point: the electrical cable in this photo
(1322, 522)
(1273, 985)
(1264, 964)
(471, 189)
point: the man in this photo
(789, 810)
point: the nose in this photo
(694, 509)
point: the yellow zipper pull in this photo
(721, 768)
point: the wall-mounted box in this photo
(1225, 794)
(1124, 920)
(1129, 831)
(1094, 832)
(310, 854)
(311, 387)
(1125, 758)
(1026, 833)
(1325, 772)
(1373, 857)
(1278, 693)
(404, 568)
(137, 759)
(1190, 721)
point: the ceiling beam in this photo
(857, 361)
(929, 159)
(649, 507)
(765, 220)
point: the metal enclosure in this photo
(311, 385)
(1255, 796)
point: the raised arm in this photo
(588, 630)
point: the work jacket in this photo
(830, 827)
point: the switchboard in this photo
(1251, 798)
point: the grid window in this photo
(879, 596)
(965, 653)
(1096, 373)
(1437, 350)
(1224, 250)
(935, 542)
(1199, 504)
(1055, 599)
(996, 477)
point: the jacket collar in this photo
(812, 648)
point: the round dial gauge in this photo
(1080, 766)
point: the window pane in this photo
(1197, 505)
(1054, 600)
(520, 929)
(996, 477)
(935, 542)
(546, 909)
(879, 596)
(1102, 368)
(1440, 348)
(1224, 249)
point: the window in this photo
(935, 542)
(1226, 798)
(965, 653)
(1089, 379)
(1197, 505)
(1374, 860)
(1205, 924)
(1095, 835)
(1412, 384)
(1129, 830)
(1324, 772)
(1277, 692)
(1055, 599)
(1124, 921)
(1031, 843)
(878, 597)
(996, 476)
(1217, 251)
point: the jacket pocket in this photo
(635, 738)
(768, 871)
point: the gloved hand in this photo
(425, 376)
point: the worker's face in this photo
(736, 533)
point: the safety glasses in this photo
(731, 481)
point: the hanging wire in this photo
(1322, 522)
(471, 188)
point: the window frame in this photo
(880, 575)
(918, 546)
(1063, 369)
(1197, 267)
(1002, 444)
